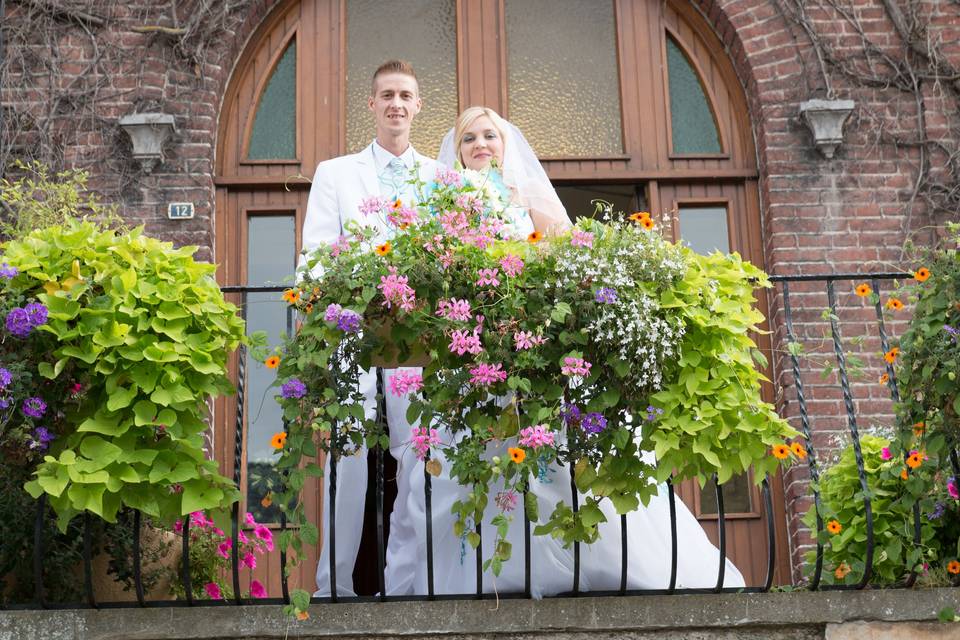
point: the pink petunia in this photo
(885, 453)
(264, 534)
(213, 590)
(257, 590)
(249, 520)
(249, 560)
(223, 549)
(952, 489)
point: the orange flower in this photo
(781, 451)
(953, 567)
(640, 216)
(397, 204)
(647, 224)
(903, 474)
(291, 296)
(834, 527)
(914, 460)
(302, 615)
(863, 290)
(383, 249)
(517, 454)
(895, 304)
(272, 362)
(921, 274)
(798, 450)
(885, 378)
(891, 356)
(534, 237)
(278, 440)
(309, 308)
(918, 429)
(841, 572)
(267, 501)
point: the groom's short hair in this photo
(393, 66)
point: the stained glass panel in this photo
(275, 123)
(692, 123)
(562, 81)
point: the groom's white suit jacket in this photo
(339, 186)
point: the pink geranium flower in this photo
(454, 309)
(512, 265)
(422, 439)
(485, 374)
(536, 436)
(396, 291)
(488, 277)
(575, 367)
(372, 205)
(462, 342)
(580, 238)
(405, 381)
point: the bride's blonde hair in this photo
(467, 118)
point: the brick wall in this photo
(819, 216)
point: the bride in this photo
(482, 142)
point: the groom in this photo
(339, 186)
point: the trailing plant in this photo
(588, 348)
(148, 331)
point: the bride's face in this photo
(481, 143)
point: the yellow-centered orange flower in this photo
(841, 572)
(914, 460)
(278, 440)
(834, 527)
(534, 237)
(895, 304)
(781, 451)
(891, 356)
(517, 454)
(863, 290)
(302, 615)
(272, 362)
(383, 249)
(397, 204)
(291, 296)
(798, 450)
(885, 378)
(647, 224)
(921, 274)
(918, 429)
(640, 216)
(953, 567)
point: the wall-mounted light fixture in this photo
(148, 132)
(825, 119)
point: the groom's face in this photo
(394, 103)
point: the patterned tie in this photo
(393, 180)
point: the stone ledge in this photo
(773, 615)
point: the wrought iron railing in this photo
(786, 290)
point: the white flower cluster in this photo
(637, 265)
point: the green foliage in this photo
(148, 329)
(892, 502)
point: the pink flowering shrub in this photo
(211, 553)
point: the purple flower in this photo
(41, 439)
(594, 422)
(5, 377)
(4, 403)
(605, 295)
(293, 388)
(506, 500)
(349, 321)
(8, 272)
(951, 331)
(34, 407)
(938, 510)
(18, 322)
(571, 414)
(332, 314)
(37, 313)
(653, 413)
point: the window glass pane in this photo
(422, 32)
(704, 229)
(579, 199)
(563, 84)
(736, 496)
(693, 127)
(271, 261)
(275, 125)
